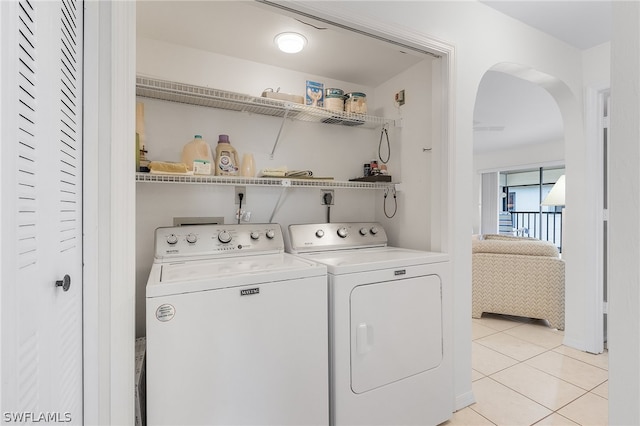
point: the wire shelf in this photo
(245, 181)
(214, 98)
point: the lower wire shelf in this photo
(259, 181)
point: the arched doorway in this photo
(583, 282)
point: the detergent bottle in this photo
(226, 158)
(197, 154)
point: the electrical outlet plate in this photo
(241, 190)
(400, 97)
(323, 200)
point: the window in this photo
(522, 192)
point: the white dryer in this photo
(389, 325)
(236, 329)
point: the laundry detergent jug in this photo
(226, 163)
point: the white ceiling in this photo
(246, 29)
(508, 110)
(511, 112)
(582, 24)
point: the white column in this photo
(624, 214)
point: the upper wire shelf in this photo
(214, 98)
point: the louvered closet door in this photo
(41, 103)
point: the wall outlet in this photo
(327, 197)
(400, 98)
(241, 190)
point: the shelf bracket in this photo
(276, 207)
(284, 118)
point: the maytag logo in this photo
(400, 272)
(249, 291)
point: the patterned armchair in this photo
(518, 276)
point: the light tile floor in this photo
(523, 375)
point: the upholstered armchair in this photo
(518, 276)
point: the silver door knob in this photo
(65, 283)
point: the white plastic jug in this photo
(197, 149)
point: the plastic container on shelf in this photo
(226, 163)
(248, 166)
(356, 102)
(198, 150)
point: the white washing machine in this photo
(389, 325)
(236, 329)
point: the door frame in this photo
(110, 40)
(109, 206)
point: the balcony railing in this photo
(546, 226)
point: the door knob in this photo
(65, 283)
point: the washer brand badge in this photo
(400, 272)
(165, 312)
(249, 291)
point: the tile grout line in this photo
(552, 349)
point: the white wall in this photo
(409, 161)
(336, 151)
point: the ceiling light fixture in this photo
(290, 42)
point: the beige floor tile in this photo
(589, 409)
(556, 420)
(487, 361)
(511, 346)
(541, 335)
(498, 322)
(539, 386)
(478, 330)
(504, 406)
(569, 369)
(476, 375)
(467, 417)
(602, 390)
(599, 360)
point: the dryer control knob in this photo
(192, 238)
(172, 239)
(254, 235)
(374, 230)
(224, 237)
(364, 231)
(270, 234)
(342, 232)
(319, 233)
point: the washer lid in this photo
(371, 259)
(190, 276)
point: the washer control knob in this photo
(254, 235)
(319, 233)
(374, 230)
(342, 232)
(270, 234)
(364, 231)
(224, 237)
(172, 239)
(192, 238)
